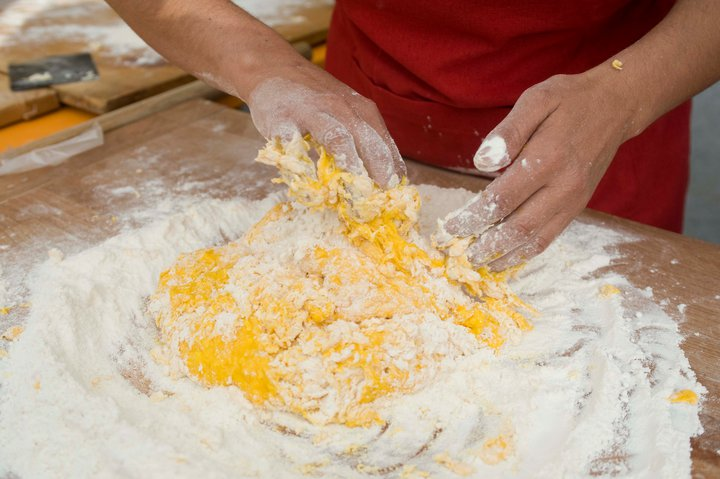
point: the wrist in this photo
(265, 56)
(621, 97)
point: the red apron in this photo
(443, 74)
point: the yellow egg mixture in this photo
(331, 302)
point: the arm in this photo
(565, 131)
(234, 52)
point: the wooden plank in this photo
(312, 29)
(120, 86)
(128, 70)
(200, 148)
(24, 105)
(121, 117)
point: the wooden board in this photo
(201, 148)
(127, 74)
(24, 105)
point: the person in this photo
(578, 101)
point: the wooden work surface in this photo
(126, 74)
(24, 105)
(201, 148)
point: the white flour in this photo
(89, 24)
(584, 393)
(492, 155)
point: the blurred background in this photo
(702, 212)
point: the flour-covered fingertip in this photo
(492, 154)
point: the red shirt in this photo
(444, 73)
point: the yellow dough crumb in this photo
(496, 450)
(325, 325)
(617, 64)
(609, 290)
(459, 468)
(4, 311)
(684, 396)
(410, 471)
(12, 333)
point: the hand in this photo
(562, 135)
(305, 99)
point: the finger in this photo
(503, 196)
(367, 111)
(505, 142)
(337, 140)
(285, 131)
(536, 245)
(517, 229)
(377, 156)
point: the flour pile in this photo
(89, 390)
(332, 301)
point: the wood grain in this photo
(201, 148)
(24, 105)
(124, 78)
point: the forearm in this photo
(674, 61)
(212, 39)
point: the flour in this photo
(586, 392)
(91, 24)
(492, 154)
(3, 291)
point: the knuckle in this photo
(544, 95)
(366, 103)
(539, 94)
(498, 206)
(540, 244)
(334, 134)
(523, 229)
(578, 185)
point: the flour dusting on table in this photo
(587, 392)
(91, 25)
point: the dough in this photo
(332, 301)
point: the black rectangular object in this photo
(52, 70)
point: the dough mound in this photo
(332, 303)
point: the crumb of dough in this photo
(496, 450)
(609, 290)
(684, 396)
(326, 305)
(459, 468)
(4, 311)
(12, 333)
(312, 468)
(410, 471)
(617, 64)
(157, 396)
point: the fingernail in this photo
(492, 154)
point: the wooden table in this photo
(126, 74)
(204, 148)
(24, 105)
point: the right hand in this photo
(304, 99)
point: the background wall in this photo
(702, 212)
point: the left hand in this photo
(562, 135)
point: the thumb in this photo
(505, 142)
